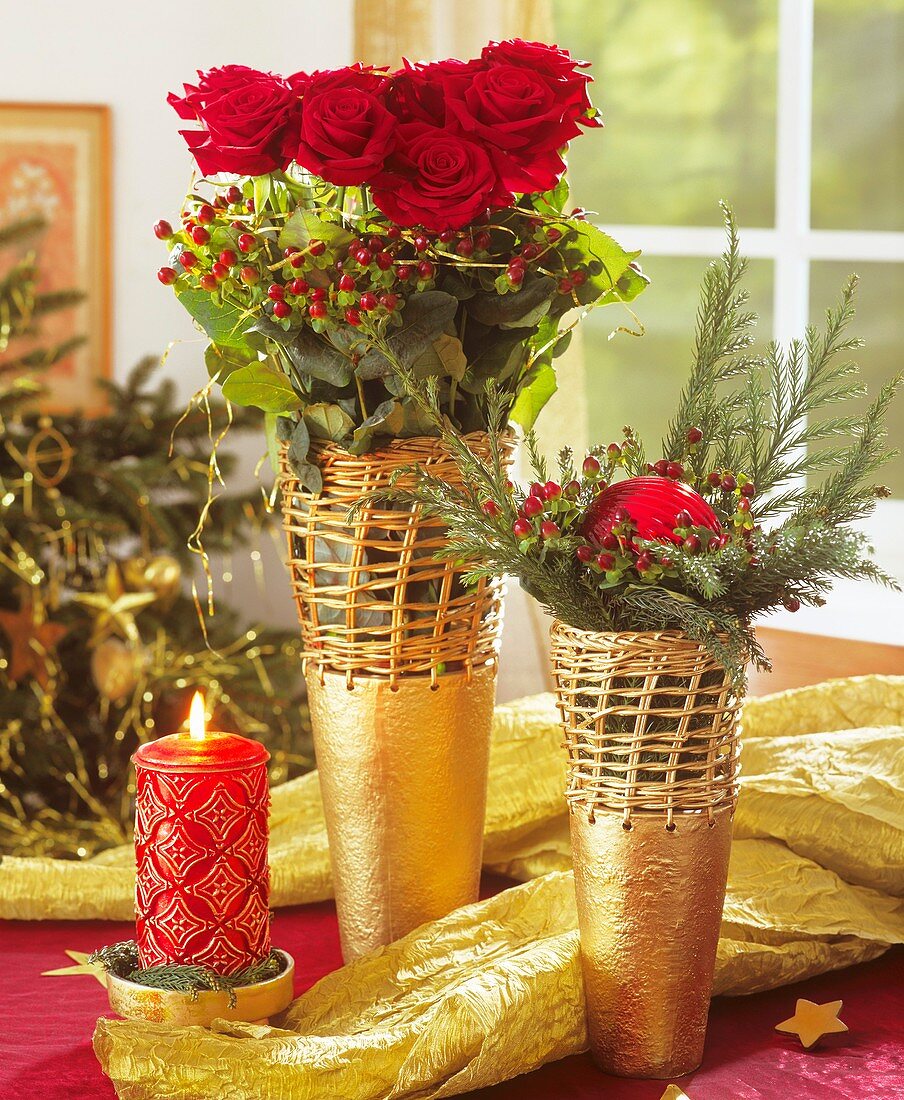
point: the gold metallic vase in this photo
(649, 909)
(403, 772)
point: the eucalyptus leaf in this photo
(262, 386)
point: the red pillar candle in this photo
(201, 830)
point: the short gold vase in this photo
(651, 730)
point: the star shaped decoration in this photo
(811, 1022)
(82, 967)
(674, 1092)
(114, 608)
(30, 643)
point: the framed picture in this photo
(55, 161)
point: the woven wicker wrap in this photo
(373, 598)
(651, 723)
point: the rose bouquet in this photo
(362, 219)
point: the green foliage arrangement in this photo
(732, 521)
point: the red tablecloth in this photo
(45, 1041)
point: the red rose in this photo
(243, 114)
(439, 179)
(552, 64)
(418, 92)
(346, 132)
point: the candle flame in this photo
(196, 718)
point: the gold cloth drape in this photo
(493, 990)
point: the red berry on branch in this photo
(247, 243)
(748, 489)
(792, 603)
(208, 282)
(515, 275)
(692, 544)
(389, 301)
(250, 276)
(536, 489)
(228, 257)
(675, 471)
(490, 507)
(549, 529)
(275, 292)
(715, 543)
(517, 261)
(393, 232)
(167, 275)
(530, 251)
(347, 283)
(316, 247)
(743, 505)
(282, 309)
(684, 519)
(553, 234)
(565, 286)
(374, 244)
(591, 466)
(584, 553)
(729, 483)
(200, 235)
(220, 202)
(465, 247)
(249, 205)
(522, 528)
(694, 435)
(605, 561)
(621, 515)
(318, 294)
(447, 235)
(163, 230)
(421, 243)
(220, 271)
(352, 316)
(643, 562)
(661, 467)
(532, 506)
(368, 301)
(613, 450)
(579, 277)
(666, 562)
(364, 256)
(425, 269)
(299, 286)
(383, 260)
(188, 260)
(296, 260)
(609, 541)
(571, 490)
(206, 214)
(404, 272)
(237, 225)
(233, 195)
(552, 490)
(317, 309)
(482, 240)
(354, 245)
(714, 479)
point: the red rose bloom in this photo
(243, 114)
(346, 132)
(554, 65)
(418, 92)
(438, 179)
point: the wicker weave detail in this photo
(373, 598)
(650, 720)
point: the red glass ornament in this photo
(201, 836)
(652, 503)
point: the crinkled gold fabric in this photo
(494, 989)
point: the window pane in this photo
(687, 93)
(638, 381)
(858, 114)
(880, 323)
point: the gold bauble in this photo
(116, 667)
(161, 574)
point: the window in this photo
(792, 111)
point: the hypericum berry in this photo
(393, 232)
(368, 301)
(490, 508)
(282, 309)
(584, 553)
(167, 275)
(522, 528)
(609, 541)
(532, 506)
(347, 283)
(296, 260)
(621, 515)
(552, 490)
(447, 235)
(220, 202)
(374, 244)
(729, 483)
(200, 235)
(515, 275)
(743, 505)
(694, 435)
(465, 247)
(661, 467)
(714, 479)
(404, 272)
(228, 257)
(208, 282)
(613, 450)
(675, 470)
(354, 245)
(249, 205)
(536, 489)
(188, 260)
(684, 519)
(206, 214)
(565, 286)
(317, 309)
(275, 292)
(247, 242)
(692, 544)
(316, 247)
(250, 276)
(578, 277)
(364, 256)
(318, 294)
(299, 286)
(549, 529)
(666, 562)
(591, 466)
(792, 603)
(425, 269)
(748, 489)
(352, 316)
(220, 271)
(571, 490)
(421, 243)
(643, 562)
(553, 234)
(237, 225)
(233, 195)
(714, 544)
(389, 301)
(163, 230)
(383, 260)
(605, 561)
(482, 240)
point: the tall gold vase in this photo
(400, 662)
(651, 730)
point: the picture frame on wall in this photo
(55, 162)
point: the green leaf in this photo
(510, 310)
(263, 186)
(221, 362)
(424, 319)
(394, 418)
(271, 431)
(224, 324)
(552, 202)
(262, 386)
(539, 385)
(632, 283)
(304, 225)
(310, 354)
(328, 421)
(494, 353)
(451, 355)
(605, 261)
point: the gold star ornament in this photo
(82, 967)
(114, 609)
(674, 1092)
(812, 1022)
(30, 643)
